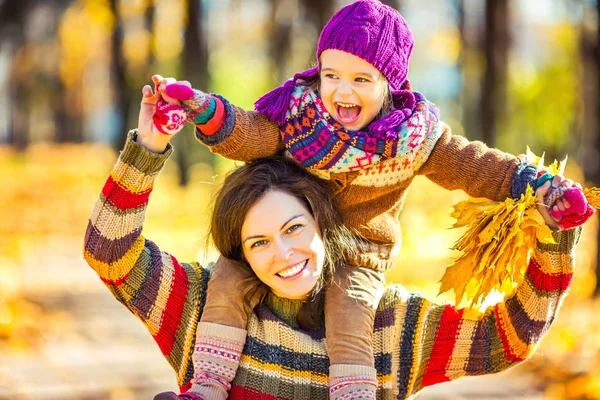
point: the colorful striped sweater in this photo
(369, 178)
(416, 342)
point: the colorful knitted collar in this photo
(316, 141)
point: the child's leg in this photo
(350, 303)
(221, 332)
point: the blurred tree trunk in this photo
(283, 13)
(493, 96)
(590, 153)
(392, 3)
(122, 98)
(13, 14)
(594, 175)
(468, 62)
(68, 113)
(195, 70)
(318, 12)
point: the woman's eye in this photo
(293, 228)
(258, 243)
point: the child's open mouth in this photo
(348, 113)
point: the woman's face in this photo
(281, 242)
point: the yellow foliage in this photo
(498, 242)
(495, 247)
(593, 197)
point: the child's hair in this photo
(373, 32)
(246, 185)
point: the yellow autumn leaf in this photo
(593, 197)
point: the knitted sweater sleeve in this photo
(448, 343)
(243, 135)
(166, 295)
(453, 162)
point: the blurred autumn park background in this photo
(511, 73)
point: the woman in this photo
(288, 235)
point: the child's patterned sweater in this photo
(416, 342)
(369, 177)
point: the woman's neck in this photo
(286, 309)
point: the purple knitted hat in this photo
(372, 31)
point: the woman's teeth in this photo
(292, 270)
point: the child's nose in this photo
(345, 88)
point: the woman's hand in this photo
(540, 193)
(561, 206)
(159, 118)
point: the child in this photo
(354, 121)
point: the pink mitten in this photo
(573, 220)
(579, 212)
(179, 91)
(169, 118)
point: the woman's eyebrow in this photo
(282, 226)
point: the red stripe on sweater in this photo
(118, 282)
(443, 345)
(246, 393)
(547, 282)
(185, 387)
(171, 318)
(122, 198)
(508, 354)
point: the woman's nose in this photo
(283, 250)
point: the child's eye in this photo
(330, 76)
(362, 80)
(293, 228)
(258, 243)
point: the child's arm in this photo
(226, 129)
(164, 294)
(453, 162)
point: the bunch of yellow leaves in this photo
(498, 241)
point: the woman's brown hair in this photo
(243, 187)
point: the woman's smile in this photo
(282, 245)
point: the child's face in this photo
(353, 91)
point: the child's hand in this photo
(541, 193)
(172, 90)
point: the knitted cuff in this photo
(347, 381)
(216, 358)
(142, 159)
(214, 123)
(224, 131)
(566, 241)
(200, 107)
(525, 174)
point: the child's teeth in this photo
(292, 271)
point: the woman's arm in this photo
(449, 343)
(167, 296)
